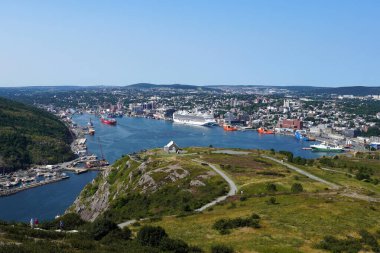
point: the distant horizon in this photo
(205, 85)
(326, 43)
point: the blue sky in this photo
(294, 42)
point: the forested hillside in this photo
(31, 136)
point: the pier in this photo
(7, 192)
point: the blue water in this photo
(44, 202)
(132, 135)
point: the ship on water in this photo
(108, 121)
(194, 118)
(324, 147)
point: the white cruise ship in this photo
(196, 119)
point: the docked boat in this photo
(227, 127)
(108, 121)
(91, 131)
(262, 130)
(196, 119)
(324, 147)
(90, 124)
(301, 135)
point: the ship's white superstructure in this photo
(194, 118)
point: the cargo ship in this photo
(108, 121)
(324, 147)
(264, 131)
(227, 127)
(195, 119)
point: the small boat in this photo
(108, 121)
(324, 147)
(91, 131)
(227, 127)
(90, 124)
(262, 130)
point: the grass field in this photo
(295, 224)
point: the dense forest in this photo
(29, 135)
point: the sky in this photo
(200, 42)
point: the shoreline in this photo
(8, 192)
(77, 134)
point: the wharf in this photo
(8, 192)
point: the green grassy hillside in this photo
(310, 218)
(31, 136)
(150, 184)
(276, 208)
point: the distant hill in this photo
(171, 86)
(351, 90)
(31, 136)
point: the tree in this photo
(151, 236)
(296, 188)
(101, 227)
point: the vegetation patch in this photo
(225, 225)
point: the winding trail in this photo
(232, 191)
(231, 183)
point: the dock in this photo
(7, 192)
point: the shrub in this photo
(296, 188)
(368, 239)
(271, 187)
(172, 245)
(151, 236)
(221, 249)
(70, 220)
(333, 244)
(243, 198)
(101, 227)
(224, 225)
(272, 201)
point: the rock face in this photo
(91, 207)
(158, 182)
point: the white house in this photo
(172, 147)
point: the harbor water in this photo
(132, 135)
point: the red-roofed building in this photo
(290, 123)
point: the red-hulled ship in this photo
(108, 121)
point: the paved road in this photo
(337, 171)
(233, 190)
(233, 187)
(305, 173)
(127, 223)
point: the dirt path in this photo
(305, 173)
(232, 191)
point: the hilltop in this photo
(332, 203)
(149, 184)
(283, 204)
(31, 136)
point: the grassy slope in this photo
(130, 199)
(294, 225)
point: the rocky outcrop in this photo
(89, 208)
(131, 176)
